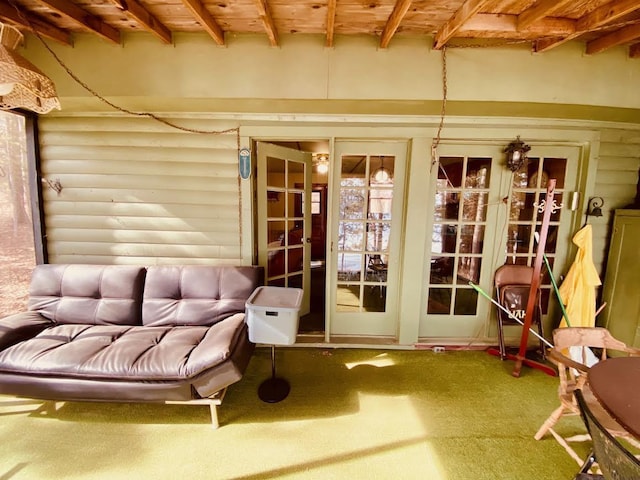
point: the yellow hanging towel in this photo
(578, 290)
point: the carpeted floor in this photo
(351, 413)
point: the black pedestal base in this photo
(273, 390)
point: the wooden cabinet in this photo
(621, 288)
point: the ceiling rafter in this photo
(619, 37)
(267, 20)
(598, 18)
(608, 13)
(29, 23)
(508, 24)
(634, 50)
(400, 9)
(142, 16)
(464, 13)
(538, 11)
(331, 21)
(205, 19)
(84, 18)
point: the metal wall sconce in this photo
(516, 154)
(594, 207)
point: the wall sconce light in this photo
(594, 207)
(516, 154)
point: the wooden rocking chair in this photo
(572, 375)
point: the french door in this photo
(284, 213)
(366, 237)
(483, 216)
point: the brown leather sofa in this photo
(173, 334)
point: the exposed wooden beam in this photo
(464, 13)
(597, 18)
(634, 51)
(624, 35)
(205, 19)
(331, 21)
(538, 11)
(607, 13)
(142, 16)
(10, 14)
(545, 44)
(267, 21)
(84, 18)
(483, 23)
(399, 11)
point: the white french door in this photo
(366, 237)
(483, 216)
(284, 217)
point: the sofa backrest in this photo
(197, 294)
(88, 294)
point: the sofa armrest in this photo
(21, 326)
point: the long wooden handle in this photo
(535, 279)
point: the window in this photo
(17, 247)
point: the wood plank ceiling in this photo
(544, 24)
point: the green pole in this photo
(553, 282)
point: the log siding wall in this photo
(616, 183)
(135, 191)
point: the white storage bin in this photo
(273, 315)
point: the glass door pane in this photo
(460, 219)
(526, 207)
(366, 199)
(366, 240)
(284, 193)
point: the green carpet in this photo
(351, 413)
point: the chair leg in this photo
(566, 446)
(549, 422)
(503, 349)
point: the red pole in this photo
(535, 279)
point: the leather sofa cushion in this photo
(196, 294)
(126, 353)
(88, 294)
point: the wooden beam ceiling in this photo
(202, 15)
(464, 13)
(545, 24)
(331, 21)
(142, 16)
(538, 11)
(28, 22)
(598, 18)
(619, 37)
(267, 21)
(80, 16)
(399, 11)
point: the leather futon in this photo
(129, 334)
